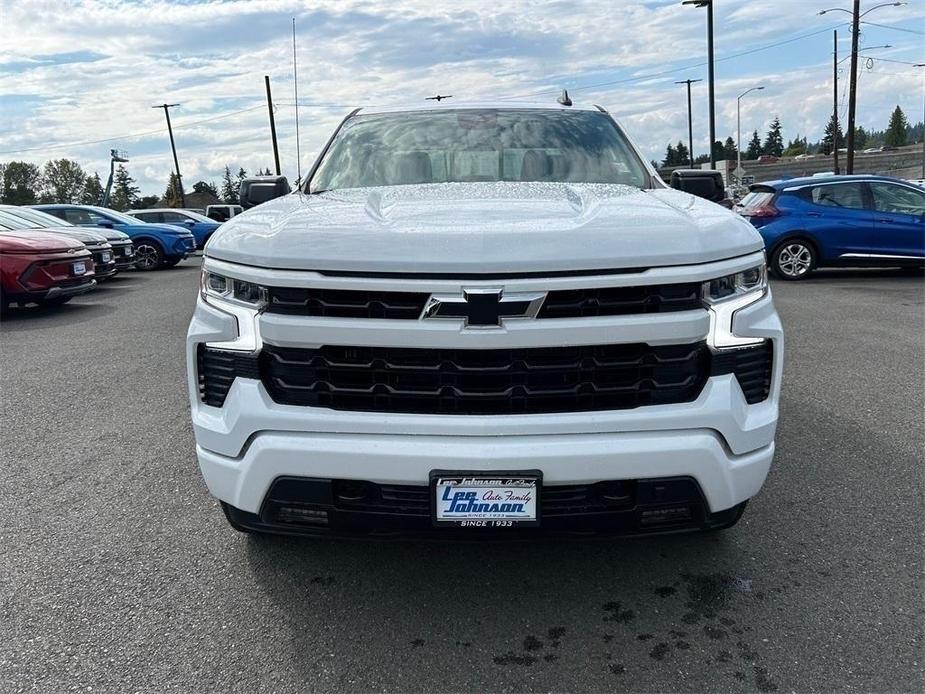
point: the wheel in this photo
(170, 262)
(148, 256)
(793, 259)
(57, 301)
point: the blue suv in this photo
(838, 221)
(201, 226)
(156, 245)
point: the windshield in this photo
(196, 216)
(479, 145)
(11, 221)
(115, 216)
(37, 219)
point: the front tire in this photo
(793, 260)
(170, 262)
(148, 256)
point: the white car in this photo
(478, 319)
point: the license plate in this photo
(107, 256)
(128, 252)
(79, 268)
(485, 500)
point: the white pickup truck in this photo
(484, 319)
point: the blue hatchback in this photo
(838, 221)
(201, 226)
(156, 245)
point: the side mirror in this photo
(704, 183)
(259, 189)
(190, 223)
(105, 223)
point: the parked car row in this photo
(49, 253)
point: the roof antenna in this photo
(295, 87)
(564, 98)
(438, 97)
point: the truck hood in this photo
(484, 228)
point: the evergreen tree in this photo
(830, 133)
(719, 151)
(147, 201)
(124, 190)
(93, 190)
(896, 131)
(229, 189)
(795, 147)
(242, 174)
(172, 194)
(754, 147)
(860, 138)
(21, 183)
(682, 155)
(205, 188)
(729, 148)
(671, 156)
(774, 141)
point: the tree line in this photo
(64, 181)
(897, 134)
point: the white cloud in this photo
(123, 58)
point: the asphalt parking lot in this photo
(119, 573)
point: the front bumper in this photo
(719, 441)
(58, 292)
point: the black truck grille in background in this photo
(504, 381)
(520, 381)
(217, 369)
(752, 367)
(567, 303)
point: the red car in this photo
(43, 268)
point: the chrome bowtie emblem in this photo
(483, 307)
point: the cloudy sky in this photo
(80, 77)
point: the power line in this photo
(890, 60)
(662, 73)
(895, 28)
(132, 136)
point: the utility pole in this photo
(173, 147)
(739, 131)
(690, 120)
(835, 102)
(709, 5)
(266, 79)
(853, 84)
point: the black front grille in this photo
(343, 303)
(621, 301)
(561, 500)
(570, 303)
(752, 366)
(217, 369)
(504, 381)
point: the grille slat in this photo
(752, 366)
(570, 303)
(435, 381)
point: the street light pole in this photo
(173, 147)
(739, 129)
(856, 15)
(835, 102)
(709, 5)
(853, 84)
(690, 120)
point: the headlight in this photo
(243, 300)
(725, 296)
(233, 290)
(755, 279)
